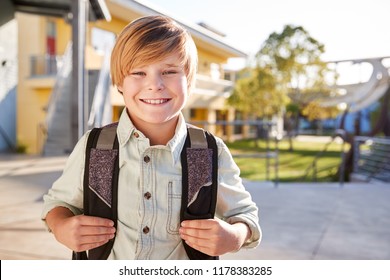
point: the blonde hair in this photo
(150, 39)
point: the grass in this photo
(293, 165)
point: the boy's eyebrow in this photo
(172, 65)
(166, 65)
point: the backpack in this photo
(199, 159)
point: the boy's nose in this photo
(156, 83)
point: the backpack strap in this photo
(199, 159)
(101, 183)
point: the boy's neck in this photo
(158, 134)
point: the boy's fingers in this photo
(199, 224)
(199, 229)
(191, 232)
(92, 239)
(96, 221)
(96, 230)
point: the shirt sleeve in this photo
(234, 203)
(67, 190)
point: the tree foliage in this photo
(258, 93)
(294, 57)
(289, 70)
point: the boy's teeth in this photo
(155, 101)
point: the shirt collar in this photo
(126, 129)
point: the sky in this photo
(348, 29)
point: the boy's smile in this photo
(156, 101)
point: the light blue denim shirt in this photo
(160, 179)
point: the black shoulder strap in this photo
(101, 183)
(199, 159)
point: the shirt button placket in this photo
(148, 204)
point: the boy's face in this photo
(155, 93)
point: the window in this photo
(51, 38)
(50, 60)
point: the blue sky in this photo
(349, 29)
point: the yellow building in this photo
(42, 44)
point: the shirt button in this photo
(147, 195)
(136, 134)
(145, 230)
(146, 159)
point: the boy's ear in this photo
(119, 88)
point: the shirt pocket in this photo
(174, 205)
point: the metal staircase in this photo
(58, 126)
(58, 122)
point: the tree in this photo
(294, 58)
(289, 71)
(257, 94)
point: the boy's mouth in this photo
(155, 101)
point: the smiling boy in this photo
(153, 65)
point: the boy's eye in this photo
(169, 72)
(138, 73)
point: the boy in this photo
(153, 65)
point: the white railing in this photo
(372, 158)
(64, 70)
(101, 110)
(44, 65)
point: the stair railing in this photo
(313, 166)
(64, 70)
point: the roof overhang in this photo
(198, 32)
(57, 8)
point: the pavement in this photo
(300, 221)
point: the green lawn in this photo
(292, 165)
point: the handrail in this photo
(100, 113)
(44, 65)
(313, 166)
(267, 156)
(63, 72)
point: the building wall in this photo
(8, 82)
(64, 32)
(35, 85)
(29, 103)
(207, 60)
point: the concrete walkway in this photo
(299, 221)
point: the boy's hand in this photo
(214, 237)
(80, 233)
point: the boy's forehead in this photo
(174, 60)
